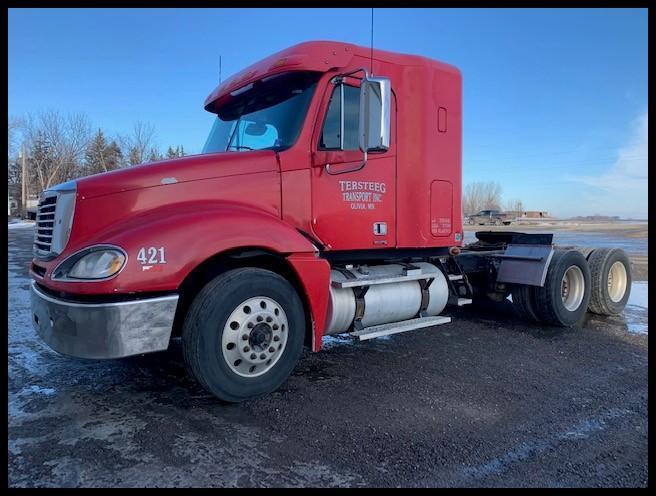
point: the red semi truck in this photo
(327, 200)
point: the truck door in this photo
(353, 206)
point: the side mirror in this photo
(374, 126)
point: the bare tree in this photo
(471, 199)
(55, 146)
(14, 127)
(515, 206)
(138, 145)
(492, 195)
(14, 171)
(481, 195)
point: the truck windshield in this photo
(264, 115)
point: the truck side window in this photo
(330, 135)
(330, 138)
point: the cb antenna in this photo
(372, 40)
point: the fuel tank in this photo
(384, 303)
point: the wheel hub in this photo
(617, 281)
(254, 336)
(260, 337)
(572, 288)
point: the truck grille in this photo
(54, 220)
(45, 225)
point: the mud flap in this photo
(525, 264)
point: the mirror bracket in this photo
(340, 77)
(384, 98)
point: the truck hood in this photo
(191, 168)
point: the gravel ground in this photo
(484, 401)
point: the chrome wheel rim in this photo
(254, 336)
(617, 282)
(572, 288)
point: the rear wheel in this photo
(243, 334)
(522, 297)
(564, 298)
(610, 271)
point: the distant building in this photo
(14, 202)
(527, 214)
(535, 214)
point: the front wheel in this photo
(243, 334)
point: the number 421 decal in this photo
(148, 257)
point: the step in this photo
(455, 277)
(464, 301)
(396, 327)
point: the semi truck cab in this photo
(326, 200)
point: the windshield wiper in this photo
(239, 147)
(233, 134)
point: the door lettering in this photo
(362, 195)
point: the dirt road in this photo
(485, 401)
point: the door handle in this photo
(344, 171)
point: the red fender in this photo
(189, 234)
(314, 273)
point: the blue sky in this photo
(555, 100)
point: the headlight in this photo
(92, 263)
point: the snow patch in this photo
(336, 340)
(637, 328)
(45, 391)
(20, 225)
(26, 351)
(638, 296)
(636, 311)
(345, 339)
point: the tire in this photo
(223, 314)
(522, 297)
(563, 302)
(482, 301)
(609, 267)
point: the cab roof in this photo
(319, 56)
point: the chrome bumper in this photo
(103, 330)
